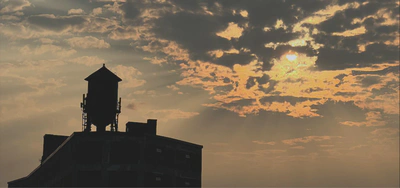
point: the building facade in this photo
(135, 158)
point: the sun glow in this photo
(291, 57)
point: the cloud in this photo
(88, 60)
(170, 114)
(198, 39)
(129, 76)
(44, 25)
(173, 87)
(28, 76)
(9, 18)
(373, 118)
(308, 139)
(97, 11)
(220, 144)
(385, 132)
(358, 147)
(386, 137)
(48, 49)
(249, 51)
(7, 6)
(297, 147)
(131, 106)
(326, 145)
(87, 42)
(263, 143)
(145, 92)
(75, 11)
(351, 33)
(123, 33)
(232, 31)
(292, 87)
(57, 23)
(46, 41)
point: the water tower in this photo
(101, 106)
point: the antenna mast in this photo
(86, 125)
(114, 125)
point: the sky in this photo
(279, 93)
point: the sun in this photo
(291, 56)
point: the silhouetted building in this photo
(137, 157)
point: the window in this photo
(187, 182)
(154, 179)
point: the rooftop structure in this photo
(100, 106)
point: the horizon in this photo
(280, 93)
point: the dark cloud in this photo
(265, 13)
(338, 23)
(389, 87)
(193, 6)
(263, 79)
(270, 88)
(256, 39)
(332, 59)
(226, 88)
(13, 6)
(289, 99)
(346, 94)
(250, 82)
(386, 29)
(341, 52)
(383, 52)
(56, 23)
(370, 80)
(339, 59)
(313, 89)
(196, 33)
(392, 69)
(131, 106)
(131, 9)
(340, 111)
(240, 103)
(342, 20)
(230, 59)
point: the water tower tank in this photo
(102, 98)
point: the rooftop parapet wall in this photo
(51, 143)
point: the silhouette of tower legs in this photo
(88, 126)
(114, 125)
(100, 128)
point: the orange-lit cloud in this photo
(263, 143)
(308, 139)
(232, 31)
(129, 75)
(373, 119)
